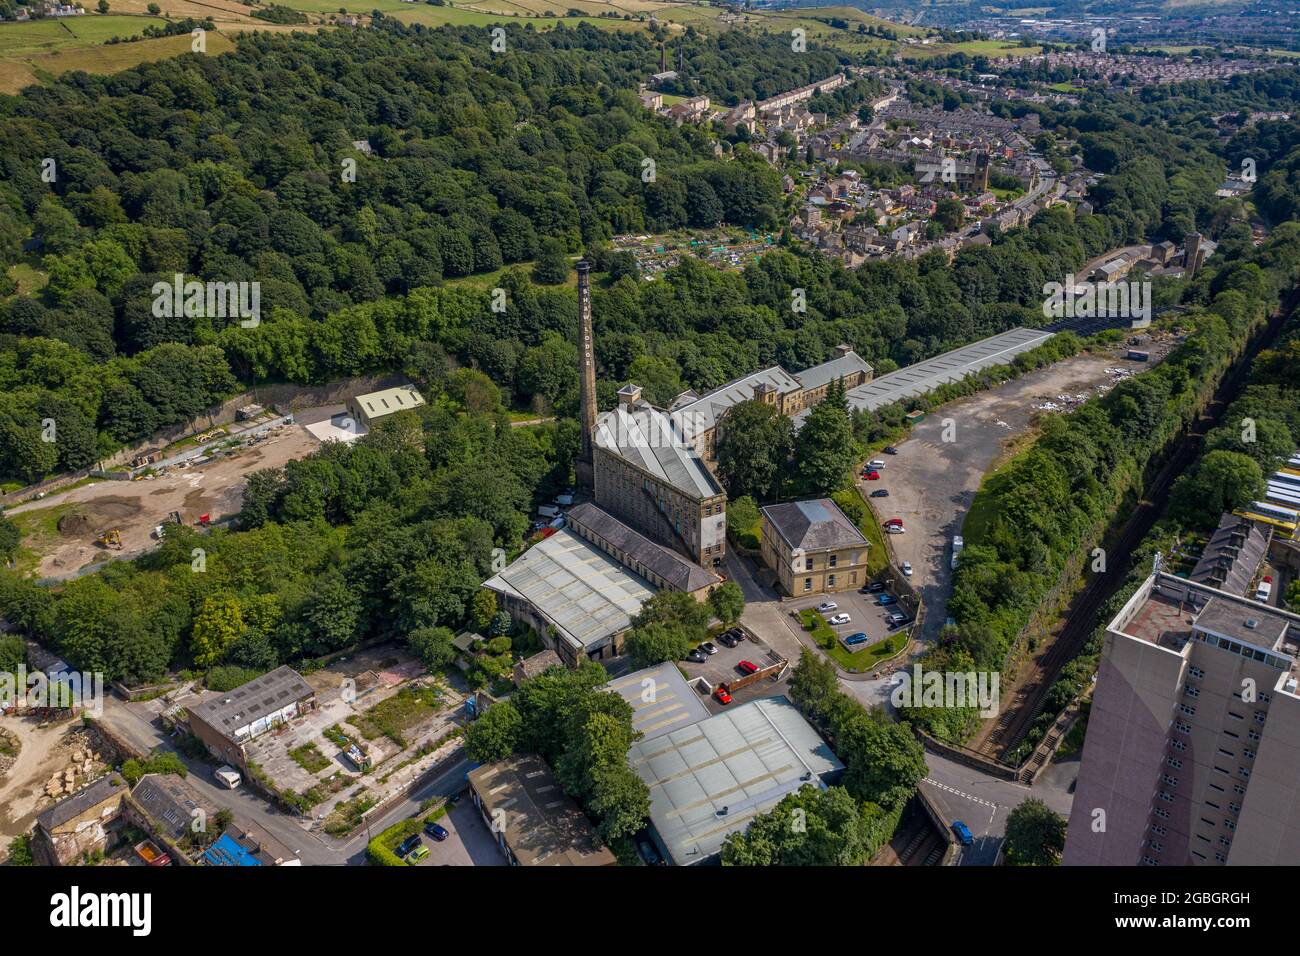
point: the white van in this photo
(1265, 589)
(548, 511)
(228, 777)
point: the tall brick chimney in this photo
(583, 467)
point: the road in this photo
(314, 849)
(983, 802)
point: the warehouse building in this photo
(710, 779)
(579, 599)
(661, 700)
(369, 408)
(226, 722)
(533, 821)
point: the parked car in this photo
(898, 619)
(407, 845)
(854, 639)
(871, 475)
(880, 493)
(722, 696)
(737, 634)
(1265, 588)
(891, 522)
(696, 656)
(649, 853)
(907, 569)
(964, 835)
(876, 463)
(747, 667)
(891, 450)
(437, 831)
(228, 777)
(708, 647)
(827, 606)
(874, 587)
(418, 854)
(727, 640)
(895, 529)
(839, 619)
(886, 599)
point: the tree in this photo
(495, 735)
(20, 851)
(217, 626)
(728, 602)
(1035, 834)
(813, 683)
(102, 6)
(755, 442)
(824, 450)
(950, 214)
(1224, 481)
(810, 827)
(482, 608)
(552, 264)
(655, 643)
(10, 539)
(674, 608)
(433, 646)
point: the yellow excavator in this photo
(111, 538)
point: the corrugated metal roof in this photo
(839, 367)
(952, 366)
(661, 700)
(582, 592)
(744, 760)
(679, 572)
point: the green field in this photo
(47, 36)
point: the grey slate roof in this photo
(652, 441)
(813, 524)
(81, 801)
(680, 573)
(1231, 556)
(273, 691)
(169, 802)
(819, 375)
(704, 413)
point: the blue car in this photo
(886, 599)
(855, 639)
(437, 831)
(963, 833)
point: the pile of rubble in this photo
(84, 765)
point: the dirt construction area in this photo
(60, 533)
(52, 761)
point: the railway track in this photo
(1029, 690)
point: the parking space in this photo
(724, 668)
(866, 614)
(469, 841)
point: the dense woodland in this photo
(229, 169)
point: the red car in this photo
(747, 667)
(893, 521)
(871, 475)
(722, 696)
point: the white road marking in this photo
(943, 786)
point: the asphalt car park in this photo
(468, 842)
(724, 668)
(866, 614)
